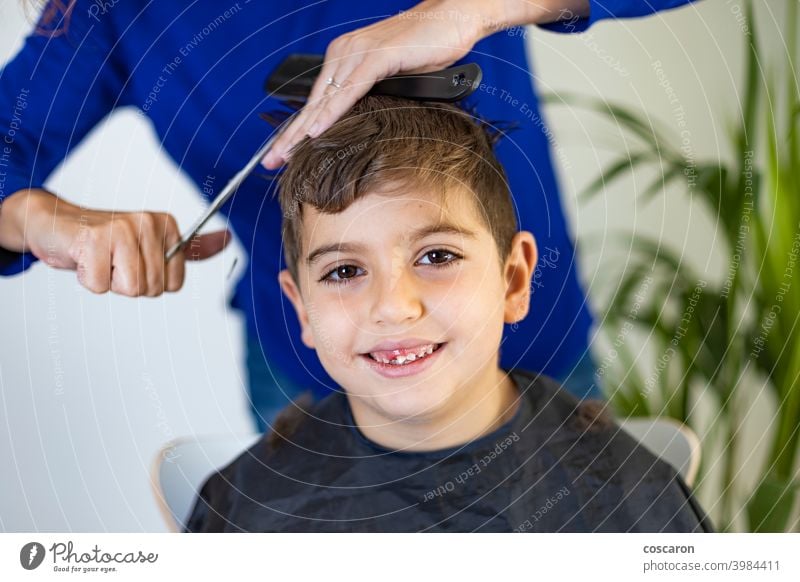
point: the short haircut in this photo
(383, 142)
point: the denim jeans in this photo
(270, 392)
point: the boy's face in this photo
(404, 298)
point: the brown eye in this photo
(346, 271)
(440, 257)
(341, 274)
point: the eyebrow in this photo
(416, 235)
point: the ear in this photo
(518, 271)
(293, 293)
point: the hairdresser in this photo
(195, 71)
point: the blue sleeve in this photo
(612, 9)
(52, 93)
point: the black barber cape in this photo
(548, 469)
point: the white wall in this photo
(91, 386)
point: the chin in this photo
(411, 404)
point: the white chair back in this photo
(672, 441)
(184, 464)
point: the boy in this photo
(403, 265)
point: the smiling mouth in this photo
(405, 356)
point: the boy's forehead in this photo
(395, 214)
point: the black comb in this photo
(293, 79)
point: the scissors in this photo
(292, 81)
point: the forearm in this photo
(522, 12)
(16, 209)
(490, 16)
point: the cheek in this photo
(476, 316)
(333, 327)
(475, 293)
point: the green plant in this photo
(712, 336)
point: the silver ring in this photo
(330, 81)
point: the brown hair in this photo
(383, 141)
(288, 420)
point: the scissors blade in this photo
(231, 187)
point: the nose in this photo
(397, 298)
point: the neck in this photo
(482, 407)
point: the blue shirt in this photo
(196, 70)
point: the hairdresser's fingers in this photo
(333, 61)
(338, 70)
(290, 136)
(176, 272)
(339, 101)
(117, 251)
(176, 267)
(343, 55)
(347, 65)
(360, 80)
(92, 257)
(304, 124)
(150, 231)
(128, 268)
(278, 153)
(204, 246)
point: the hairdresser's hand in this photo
(432, 35)
(118, 251)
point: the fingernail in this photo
(314, 131)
